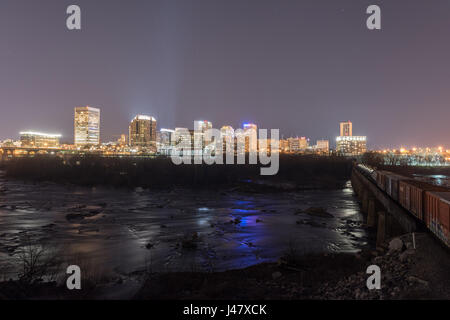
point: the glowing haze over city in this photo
(293, 72)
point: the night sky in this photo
(301, 66)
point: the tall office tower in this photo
(165, 141)
(166, 137)
(251, 137)
(349, 145)
(183, 141)
(142, 131)
(200, 139)
(227, 134)
(346, 129)
(183, 137)
(87, 126)
(201, 126)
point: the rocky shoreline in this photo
(399, 264)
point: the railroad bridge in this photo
(382, 212)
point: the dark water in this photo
(110, 229)
(436, 179)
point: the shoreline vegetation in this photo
(295, 172)
(378, 161)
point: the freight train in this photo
(427, 202)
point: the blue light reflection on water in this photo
(265, 225)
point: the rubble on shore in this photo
(404, 273)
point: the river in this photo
(126, 231)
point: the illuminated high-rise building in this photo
(200, 128)
(251, 137)
(166, 137)
(183, 137)
(202, 125)
(227, 134)
(298, 144)
(122, 141)
(284, 145)
(346, 129)
(165, 141)
(87, 126)
(250, 126)
(349, 145)
(142, 131)
(323, 146)
(183, 140)
(200, 139)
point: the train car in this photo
(437, 214)
(411, 195)
(392, 184)
(381, 179)
(374, 175)
(369, 171)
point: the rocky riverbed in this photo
(120, 233)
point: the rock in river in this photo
(318, 212)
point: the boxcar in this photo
(411, 195)
(392, 184)
(437, 214)
(374, 175)
(381, 179)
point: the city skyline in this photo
(345, 140)
(199, 125)
(275, 65)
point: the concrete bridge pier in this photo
(365, 201)
(357, 187)
(381, 211)
(372, 215)
(381, 228)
